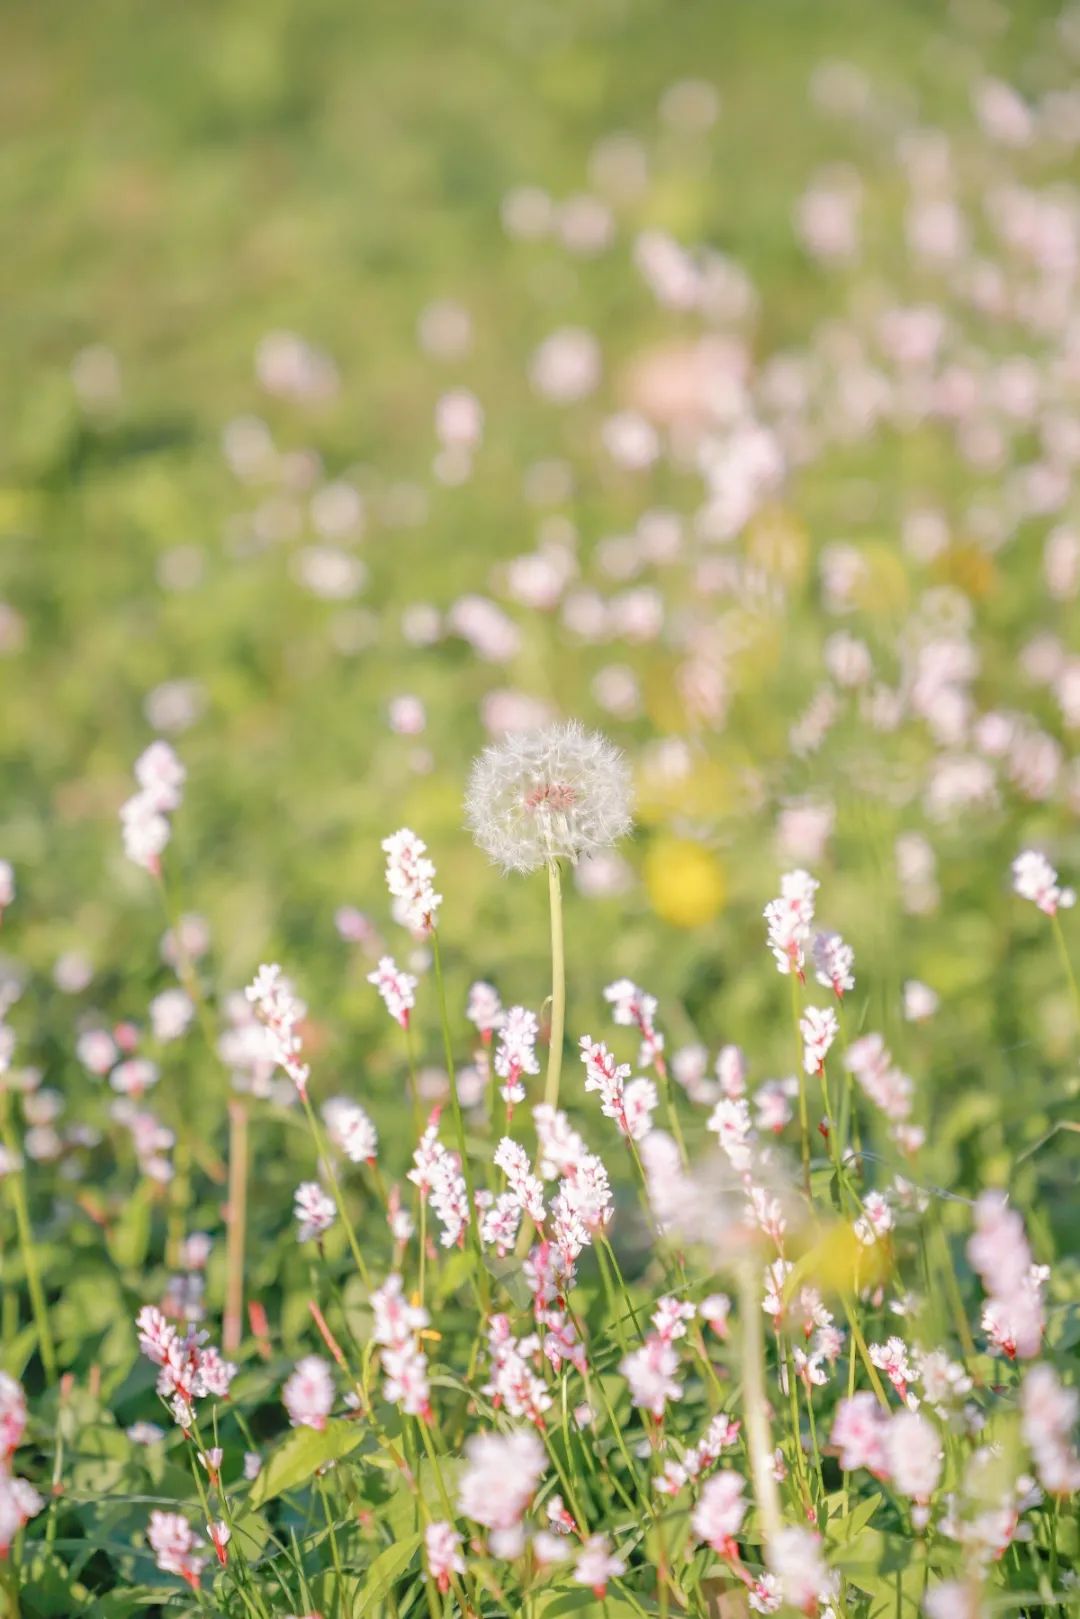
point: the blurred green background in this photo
(180, 180)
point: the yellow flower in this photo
(684, 881)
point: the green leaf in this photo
(390, 1564)
(302, 1454)
(843, 1530)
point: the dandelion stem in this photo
(755, 1408)
(236, 1226)
(448, 1049)
(558, 987)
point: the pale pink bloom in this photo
(944, 1381)
(633, 1008)
(459, 419)
(12, 1415)
(7, 885)
(886, 1086)
(670, 1317)
(290, 367)
(1034, 878)
(396, 988)
(513, 1160)
(560, 1148)
(604, 1074)
(566, 366)
(171, 1013)
(774, 1101)
(220, 1534)
(819, 1028)
(584, 1200)
(651, 1372)
(484, 1011)
(500, 1220)
(351, 1130)
(406, 1382)
(596, 1565)
(19, 1502)
(280, 1012)
(1015, 1323)
(410, 878)
(640, 1102)
(827, 216)
(720, 1511)
(442, 1545)
(834, 963)
(436, 1172)
(730, 1122)
(134, 1077)
(97, 1051)
(160, 775)
(715, 1310)
(313, 1209)
(515, 1053)
(308, 1394)
(500, 1477)
(953, 1599)
(1048, 1419)
(920, 1001)
(892, 1358)
(914, 1455)
(858, 1434)
(876, 1219)
(396, 1320)
(513, 1383)
(795, 1557)
(145, 830)
(144, 1433)
(174, 1544)
(731, 1071)
(765, 1595)
(789, 920)
(998, 1248)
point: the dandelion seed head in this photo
(558, 793)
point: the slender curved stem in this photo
(558, 987)
(17, 1183)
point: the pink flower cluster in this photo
(190, 1369)
(280, 1012)
(144, 817)
(397, 1323)
(410, 877)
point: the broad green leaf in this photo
(390, 1564)
(301, 1455)
(843, 1530)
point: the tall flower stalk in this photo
(538, 798)
(558, 987)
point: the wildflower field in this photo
(540, 714)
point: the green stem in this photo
(755, 1406)
(1063, 951)
(324, 1158)
(17, 1182)
(804, 1123)
(558, 987)
(455, 1100)
(236, 1226)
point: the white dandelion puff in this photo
(553, 794)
